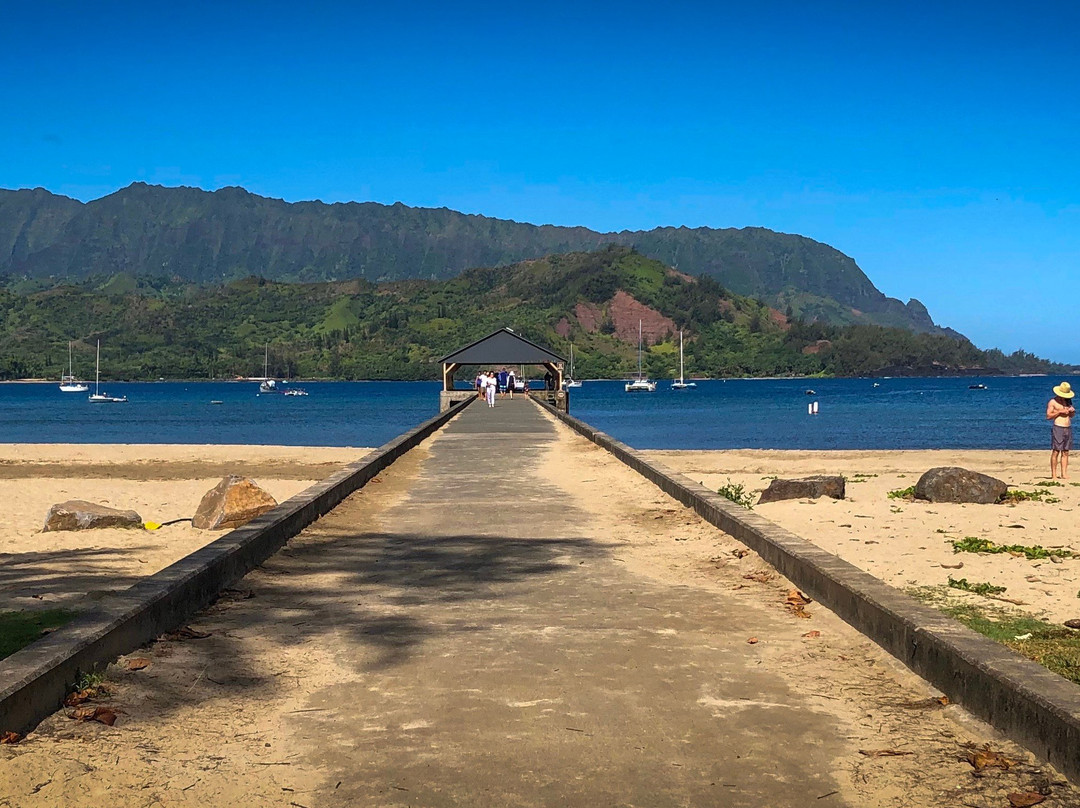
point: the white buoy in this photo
(809, 409)
(813, 408)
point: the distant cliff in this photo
(203, 237)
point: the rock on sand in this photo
(77, 514)
(233, 502)
(821, 485)
(954, 484)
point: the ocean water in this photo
(752, 413)
(332, 414)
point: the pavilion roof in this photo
(502, 347)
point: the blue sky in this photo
(936, 144)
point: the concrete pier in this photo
(509, 616)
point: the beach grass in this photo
(1054, 647)
(19, 629)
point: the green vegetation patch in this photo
(1053, 647)
(19, 629)
(975, 544)
(978, 588)
(1015, 495)
(737, 494)
(1050, 484)
(903, 493)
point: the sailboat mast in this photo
(681, 372)
(639, 349)
(266, 361)
(97, 368)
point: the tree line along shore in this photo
(153, 328)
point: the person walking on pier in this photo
(481, 383)
(492, 387)
(503, 376)
(511, 383)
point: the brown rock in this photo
(233, 502)
(76, 514)
(1072, 623)
(804, 488)
(954, 484)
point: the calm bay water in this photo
(758, 413)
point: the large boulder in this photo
(233, 502)
(954, 484)
(821, 485)
(77, 514)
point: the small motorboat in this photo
(976, 387)
(811, 392)
(296, 391)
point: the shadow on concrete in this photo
(374, 598)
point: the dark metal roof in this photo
(502, 347)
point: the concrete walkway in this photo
(483, 641)
(555, 678)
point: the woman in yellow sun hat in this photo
(1060, 410)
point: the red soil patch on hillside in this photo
(562, 328)
(817, 347)
(682, 275)
(625, 313)
(589, 316)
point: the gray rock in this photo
(77, 514)
(233, 502)
(804, 488)
(953, 484)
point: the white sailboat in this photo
(97, 397)
(68, 382)
(681, 383)
(268, 385)
(640, 384)
(570, 381)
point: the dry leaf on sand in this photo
(103, 715)
(761, 576)
(187, 633)
(884, 752)
(986, 758)
(812, 635)
(1024, 799)
(9, 738)
(134, 663)
(77, 697)
(940, 701)
(796, 603)
(752, 641)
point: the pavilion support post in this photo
(448, 371)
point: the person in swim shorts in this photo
(1060, 410)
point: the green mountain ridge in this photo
(205, 237)
(357, 329)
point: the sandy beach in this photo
(909, 544)
(161, 482)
